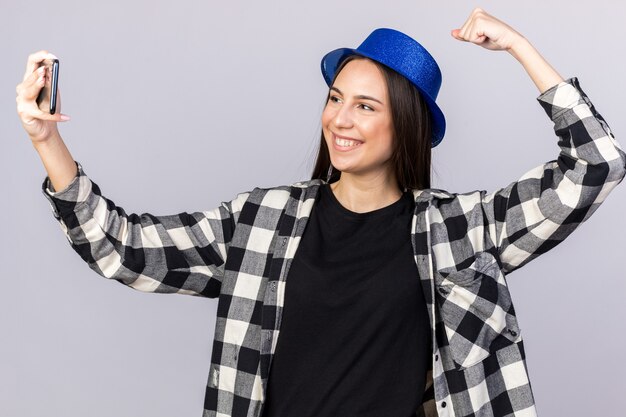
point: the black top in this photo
(354, 337)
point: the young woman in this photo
(397, 302)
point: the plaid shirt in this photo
(464, 246)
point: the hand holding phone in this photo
(34, 114)
(47, 98)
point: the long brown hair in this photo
(411, 119)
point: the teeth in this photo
(345, 142)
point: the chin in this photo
(351, 169)
(343, 167)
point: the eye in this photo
(366, 107)
(334, 99)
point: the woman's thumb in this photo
(455, 34)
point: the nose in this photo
(343, 117)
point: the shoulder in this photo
(279, 196)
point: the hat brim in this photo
(332, 60)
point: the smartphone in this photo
(47, 98)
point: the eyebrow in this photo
(361, 96)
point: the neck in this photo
(361, 195)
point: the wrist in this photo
(50, 141)
(520, 47)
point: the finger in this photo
(31, 114)
(474, 32)
(464, 30)
(29, 89)
(35, 59)
(467, 31)
(455, 34)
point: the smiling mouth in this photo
(345, 143)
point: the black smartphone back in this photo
(47, 98)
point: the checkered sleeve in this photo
(182, 253)
(535, 213)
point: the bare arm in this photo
(539, 70)
(58, 161)
(41, 126)
(548, 202)
(491, 33)
(183, 253)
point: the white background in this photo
(177, 106)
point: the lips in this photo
(344, 143)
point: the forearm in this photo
(57, 161)
(539, 70)
(182, 253)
